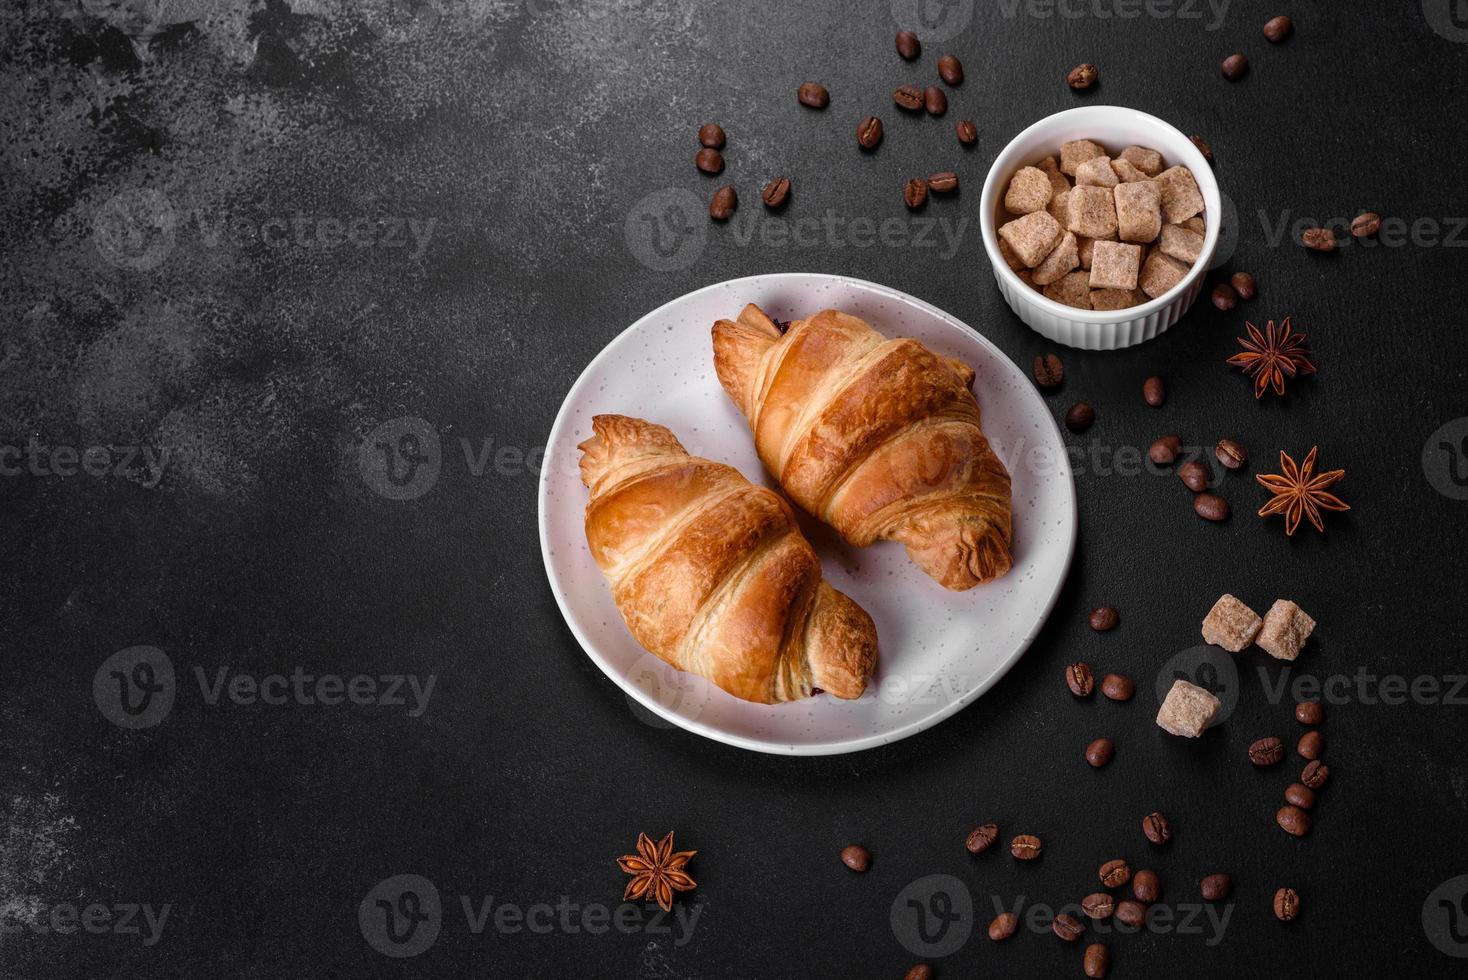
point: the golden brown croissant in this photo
(711, 572)
(878, 438)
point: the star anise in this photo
(1300, 491)
(657, 871)
(1272, 356)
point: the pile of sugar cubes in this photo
(1127, 231)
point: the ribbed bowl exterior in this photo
(1113, 335)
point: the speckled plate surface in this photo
(939, 650)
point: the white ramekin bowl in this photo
(1114, 127)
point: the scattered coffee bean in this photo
(943, 182)
(1203, 147)
(1049, 371)
(1211, 507)
(1194, 475)
(1230, 454)
(1266, 751)
(1080, 417)
(950, 69)
(920, 972)
(1225, 297)
(813, 95)
(1276, 29)
(1099, 752)
(710, 161)
(1309, 712)
(1118, 687)
(981, 838)
(1067, 927)
(935, 101)
(1293, 821)
(1097, 962)
(724, 202)
(1025, 847)
(1115, 873)
(1130, 913)
(915, 194)
(1300, 795)
(1165, 451)
(856, 857)
(1315, 774)
(908, 45)
(1156, 827)
(1216, 888)
(1244, 285)
(1103, 618)
(1286, 904)
(869, 133)
(1098, 906)
(1154, 391)
(908, 98)
(1146, 886)
(1235, 66)
(1003, 926)
(776, 193)
(1320, 239)
(1366, 225)
(1311, 745)
(968, 133)
(1081, 77)
(1079, 679)
(711, 135)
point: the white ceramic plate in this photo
(938, 650)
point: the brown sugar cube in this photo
(1181, 243)
(1114, 265)
(1115, 299)
(1230, 624)
(1071, 289)
(1145, 159)
(1127, 172)
(1195, 224)
(1059, 181)
(1060, 261)
(1077, 152)
(1181, 198)
(1057, 206)
(1160, 273)
(1032, 237)
(1097, 172)
(1029, 191)
(1091, 211)
(1187, 710)
(1083, 250)
(1010, 258)
(1285, 629)
(1027, 277)
(1138, 211)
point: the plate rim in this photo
(840, 746)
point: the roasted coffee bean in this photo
(708, 160)
(981, 838)
(1146, 886)
(725, 200)
(1098, 906)
(1154, 391)
(1293, 820)
(1366, 225)
(1315, 774)
(869, 133)
(1156, 827)
(1266, 751)
(1103, 618)
(1115, 873)
(1235, 66)
(968, 133)
(1300, 795)
(776, 193)
(1049, 372)
(1079, 679)
(1165, 451)
(943, 182)
(814, 95)
(1311, 745)
(1216, 888)
(856, 857)
(1081, 77)
(1118, 687)
(1194, 475)
(1080, 417)
(1203, 147)
(1067, 927)
(920, 972)
(1244, 285)
(711, 135)
(1130, 913)
(1097, 962)
(950, 69)
(908, 45)
(1320, 239)
(915, 193)
(1026, 847)
(909, 98)
(1003, 926)
(1099, 752)
(1230, 454)
(1286, 904)
(1211, 507)
(1225, 297)
(1276, 29)
(935, 101)
(1309, 712)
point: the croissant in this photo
(878, 438)
(711, 573)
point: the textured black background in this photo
(529, 132)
